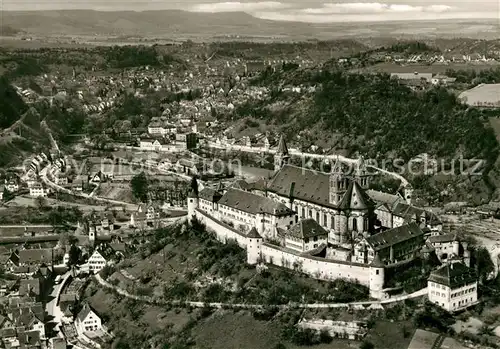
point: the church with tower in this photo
(336, 200)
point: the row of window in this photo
(439, 294)
(461, 293)
(463, 302)
(433, 284)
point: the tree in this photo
(41, 202)
(194, 184)
(367, 345)
(74, 255)
(7, 195)
(140, 186)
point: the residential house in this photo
(31, 179)
(453, 287)
(87, 320)
(102, 256)
(12, 185)
(442, 80)
(448, 247)
(392, 246)
(30, 287)
(161, 128)
(404, 213)
(151, 144)
(27, 314)
(36, 257)
(151, 211)
(13, 261)
(2, 188)
(60, 178)
(384, 206)
(188, 167)
(99, 177)
(78, 183)
(38, 190)
(306, 235)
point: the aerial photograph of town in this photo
(249, 175)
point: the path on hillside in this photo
(43, 175)
(296, 152)
(218, 305)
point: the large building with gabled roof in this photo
(393, 246)
(244, 210)
(453, 286)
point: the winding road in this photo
(361, 305)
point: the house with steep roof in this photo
(306, 235)
(30, 287)
(384, 206)
(87, 320)
(448, 247)
(29, 316)
(453, 287)
(102, 256)
(404, 213)
(395, 245)
(36, 257)
(147, 143)
(38, 189)
(13, 261)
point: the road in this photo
(52, 307)
(361, 305)
(43, 226)
(295, 152)
(43, 176)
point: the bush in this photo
(367, 345)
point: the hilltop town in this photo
(194, 195)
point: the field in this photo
(495, 124)
(115, 191)
(23, 201)
(422, 68)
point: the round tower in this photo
(92, 233)
(465, 246)
(254, 244)
(192, 204)
(377, 278)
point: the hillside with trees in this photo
(373, 115)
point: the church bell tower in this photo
(282, 156)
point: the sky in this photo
(310, 11)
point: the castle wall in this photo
(222, 231)
(315, 267)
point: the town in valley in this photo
(234, 194)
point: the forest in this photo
(381, 115)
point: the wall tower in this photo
(377, 278)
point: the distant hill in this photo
(177, 24)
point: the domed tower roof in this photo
(377, 263)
